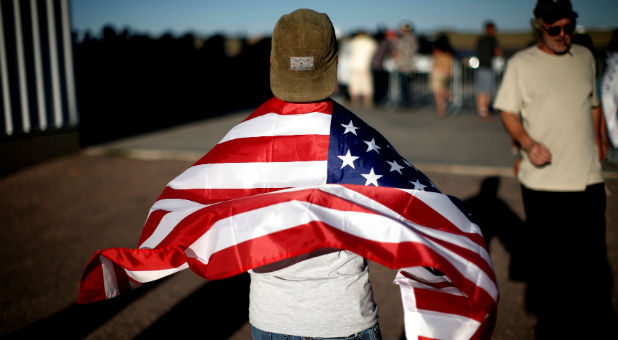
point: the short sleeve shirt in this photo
(485, 48)
(554, 95)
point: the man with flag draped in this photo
(300, 194)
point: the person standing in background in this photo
(380, 73)
(549, 106)
(609, 92)
(404, 52)
(362, 48)
(441, 72)
(487, 48)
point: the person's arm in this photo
(538, 153)
(600, 132)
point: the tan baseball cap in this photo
(303, 64)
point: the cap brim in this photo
(299, 88)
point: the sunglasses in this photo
(555, 30)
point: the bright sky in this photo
(258, 17)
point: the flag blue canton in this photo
(359, 154)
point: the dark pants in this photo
(380, 86)
(405, 85)
(570, 279)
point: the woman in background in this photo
(441, 72)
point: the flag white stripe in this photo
(144, 276)
(174, 204)
(423, 274)
(443, 205)
(252, 175)
(411, 318)
(167, 224)
(452, 326)
(272, 124)
(418, 321)
(109, 277)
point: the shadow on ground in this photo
(223, 303)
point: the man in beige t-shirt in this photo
(549, 106)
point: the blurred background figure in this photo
(343, 67)
(385, 39)
(393, 93)
(441, 72)
(609, 94)
(487, 48)
(549, 105)
(404, 53)
(361, 50)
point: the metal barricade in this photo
(462, 86)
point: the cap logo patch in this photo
(301, 63)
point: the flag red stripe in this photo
(151, 224)
(447, 303)
(277, 106)
(469, 255)
(269, 149)
(91, 286)
(122, 280)
(210, 196)
(146, 259)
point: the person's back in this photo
(325, 293)
(405, 48)
(403, 53)
(363, 48)
(485, 50)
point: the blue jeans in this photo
(371, 333)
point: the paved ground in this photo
(56, 214)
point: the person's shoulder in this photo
(524, 54)
(532, 49)
(581, 50)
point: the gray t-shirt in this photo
(326, 294)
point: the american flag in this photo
(293, 178)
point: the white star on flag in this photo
(418, 185)
(371, 178)
(349, 128)
(348, 159)
(395, 166)
(372, 145)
